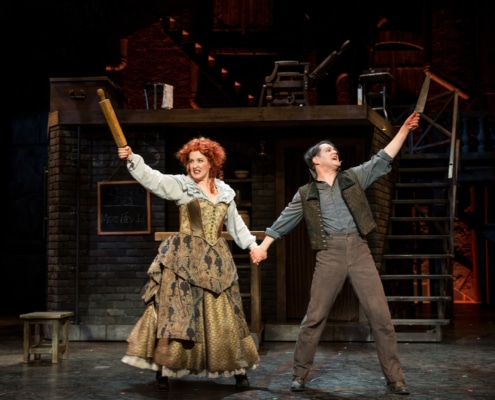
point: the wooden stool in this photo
(38, 345)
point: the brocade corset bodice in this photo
(204, 219)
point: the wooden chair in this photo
(287, 85)
(290, 81)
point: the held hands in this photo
(258, 254)
(124, 153)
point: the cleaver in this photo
(423, 95)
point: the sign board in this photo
(123, 208)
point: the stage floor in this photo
(461, 367)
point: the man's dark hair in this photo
(314, 151)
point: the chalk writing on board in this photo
(123, 208)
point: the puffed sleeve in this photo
(162, 185)
(238, 229)
(234, 223)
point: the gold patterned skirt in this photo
(222, 353)
(194, 323)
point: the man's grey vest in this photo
(353, 195)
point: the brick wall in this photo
(154, 57)
(98, 276)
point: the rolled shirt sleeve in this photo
(288, 219)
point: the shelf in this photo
(235, 180)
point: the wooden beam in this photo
(257, 117)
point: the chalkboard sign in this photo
(123, 208)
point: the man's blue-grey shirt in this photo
(335, 214)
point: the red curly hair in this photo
(212, 150)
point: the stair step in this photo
(412, 256)
(243, 52)
(420, 201)
(419, 298)
(431, 336)
(422, 185)
(423, 169)
(411, 322)
(214, 70)
(417, 237)
(419, 219)
(433, 168)
(425, 156)
(170, 24)
(416, 276)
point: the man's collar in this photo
(314, 175)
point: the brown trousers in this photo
(348, 255)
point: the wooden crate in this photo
(80, 93)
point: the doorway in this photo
(295, 258)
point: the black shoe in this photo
(297, 384)
(398, 387)
(161, 382)
(242, 382)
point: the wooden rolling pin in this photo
(112, 121)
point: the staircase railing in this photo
(423, 159)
